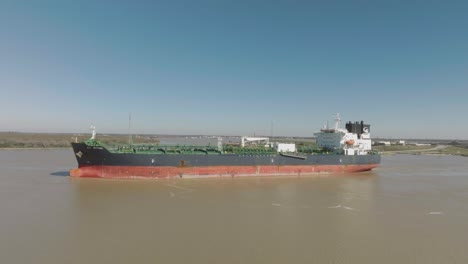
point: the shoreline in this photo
(421, 154)
(55, 148)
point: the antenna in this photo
(130, 139)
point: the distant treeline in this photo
(44, 140)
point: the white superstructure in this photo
(354, 140)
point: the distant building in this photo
(382, 143)
(421, 144)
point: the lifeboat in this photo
(349, 142)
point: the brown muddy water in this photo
(413, 209)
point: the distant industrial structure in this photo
(398, 142)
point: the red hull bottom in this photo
(212, 171)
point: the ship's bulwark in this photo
(99, 162)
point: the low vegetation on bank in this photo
(43, 140)
(397, 148)
(452, 149)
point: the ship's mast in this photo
(130, 139)
(271, 129)
(220, 144)
(337, 121)
(93, 133)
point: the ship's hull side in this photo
(98, 162)
(103, 171)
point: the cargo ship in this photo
(337, 150)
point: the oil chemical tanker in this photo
(337, 150)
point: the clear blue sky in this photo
(231, 67)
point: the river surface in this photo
(413, 209)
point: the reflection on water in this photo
(412, 209)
